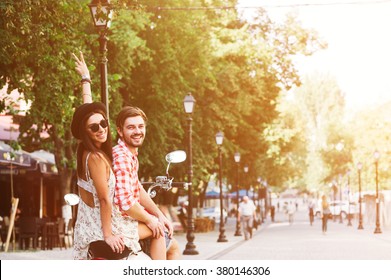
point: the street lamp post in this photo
(340, 197)
(265, 202)
(245, 169)
(219, 142)
(339, 148)
(259, 180)
(190, 249)
(101, 12)
(238, 229)
(349, 213)
(377, 229)
(335, 189)
(359, 167)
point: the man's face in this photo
(133, 132)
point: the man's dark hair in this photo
(129, 112)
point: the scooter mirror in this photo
(176, 156)
(71, 199)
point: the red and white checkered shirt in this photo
(127, 188)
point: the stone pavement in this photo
(206, 244)
(273, 241)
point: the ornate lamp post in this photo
(245, 169)
(190, 249)
(335, 190)
(349, 213)
(265, 202)
(238, 229)
(359, 167)
(339, 147)
(101, 12)
(219, 142)
(259, 180)
(340, 197)
(376, 156)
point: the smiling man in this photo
(130, 195)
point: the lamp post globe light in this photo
(245, 169)
(359, 167)
(376, 156)
(219, 142)
(101, 12)
(238, 231)
(190, 249)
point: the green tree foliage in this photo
(37, 39)
(321, 104)
(372, 130)
(235, 69)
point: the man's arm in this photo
(147, 202)
(138, 213)
(126, 194)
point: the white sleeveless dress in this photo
(88, 227)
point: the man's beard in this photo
(134, 143)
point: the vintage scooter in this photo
(99, 249)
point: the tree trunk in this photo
(63, 153)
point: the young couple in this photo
(114, 206)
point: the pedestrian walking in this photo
(325, 213)
(291, 212)
(311, 207)
(272, 212)
(246, 216)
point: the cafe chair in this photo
(28, 230)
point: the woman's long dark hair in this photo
(87, 144)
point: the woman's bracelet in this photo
(88, 94)
(86, 80)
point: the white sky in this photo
(359, 44)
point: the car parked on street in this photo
(340, 208)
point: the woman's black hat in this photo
(81, 112)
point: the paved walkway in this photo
(273, 241)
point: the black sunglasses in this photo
(95, 126)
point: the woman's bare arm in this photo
(82, 69)
(98, 169)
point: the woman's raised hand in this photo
(81, 66)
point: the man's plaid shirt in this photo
(127, 188)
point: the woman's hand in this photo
(81, 66)
(116, 243)
(82, 69)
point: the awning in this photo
(42, 160)
(39, 163)
(9, 157)
(241, 194)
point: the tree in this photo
(321, 103)
(157, 55)
(36, 46)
